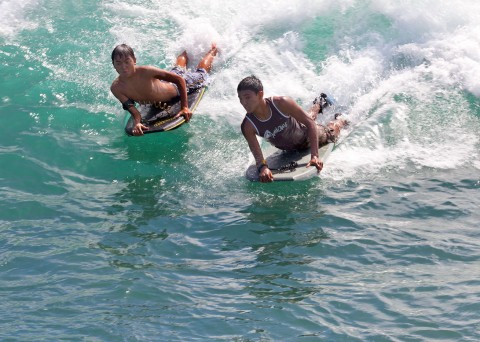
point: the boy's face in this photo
(125, 66)
(249, 100)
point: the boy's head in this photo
(250, 83)
(250, 93)
(122, 51)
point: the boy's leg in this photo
(206, 62)
(330, 132)
(313, 111)
(336, 125)
(182, 60)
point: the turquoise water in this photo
(109, 238)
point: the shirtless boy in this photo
(281, 121)
(148, 84)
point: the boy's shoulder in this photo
(147, 69)
(281, 98)
(115, 84)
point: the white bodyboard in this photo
(289, 165)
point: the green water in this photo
(105, 237)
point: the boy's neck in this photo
(263, 111)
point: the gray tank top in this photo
(282, 131)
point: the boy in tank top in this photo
(283, 123)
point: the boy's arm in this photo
(264, 172)
(164, 75)
(129, 106)
(289, 106)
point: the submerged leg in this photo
(330, 132)
(336, 125)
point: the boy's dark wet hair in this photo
(250, 83)
(123, 51)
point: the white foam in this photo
(12, 16)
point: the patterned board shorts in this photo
(193, 78)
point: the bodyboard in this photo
(160, 117)
(289, 165)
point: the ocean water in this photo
(105, 237)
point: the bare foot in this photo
(213, 50)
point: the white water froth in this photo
(12, 17)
